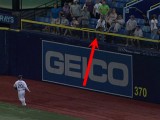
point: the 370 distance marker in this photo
(140, 91)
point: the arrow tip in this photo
(94, 43)
(84, 84)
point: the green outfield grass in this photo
(12, 112)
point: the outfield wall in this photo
(63, 60)
(3, 53)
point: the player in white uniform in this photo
(21, 86)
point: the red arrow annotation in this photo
(94, 45)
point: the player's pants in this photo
(21, 96)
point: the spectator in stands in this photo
(146, 20)
(90, 5)
(66, 11)
(117, 24)
(104, 9)
(74, 22)
(58, 22)
(55, 13)
(85, 16)
(154, 26)
(96, 12)
(130, 26)
(111, 17)
(75, 9)
(101, 24)
(64, 21)
(138, 33)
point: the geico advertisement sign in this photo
(68, 65)
(71, 62)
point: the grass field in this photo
(12, 112)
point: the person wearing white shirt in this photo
(96, 9)
(111, 17)
(101, 23)
(20, 85)
(117, 24)
(138, 33)
(75, 9)
(154, 27)
(130, 27)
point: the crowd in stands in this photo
(107, 19)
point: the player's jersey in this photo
(21, 85)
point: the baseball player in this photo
(20, 85)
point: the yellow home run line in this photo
(8, 29)
(88, 30)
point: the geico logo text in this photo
(75, 66)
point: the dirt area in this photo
(84, 104)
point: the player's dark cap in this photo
(20, 76)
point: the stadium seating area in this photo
(118, 4)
